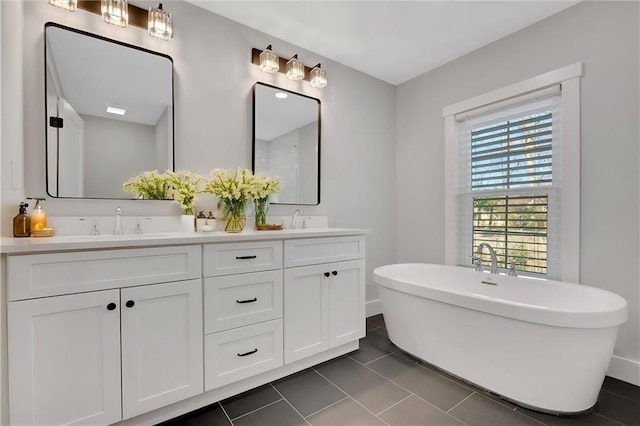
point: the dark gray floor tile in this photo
(308, 392)
(618, 408)
(211, 415)
(414, 411)
(371, 326)
(367, 352)
(590, 419)
(277, 414)
(478, 410)
(621, 388)
(250, 400)
(377, 320)
(369, 389)
(431, 387)
(378, 337)
(346, 412)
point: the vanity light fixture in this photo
(160, 23)
(116, 110)
(295, 68)
(269, 61)
(115, 12)
(318, 77)
(69, 5)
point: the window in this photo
(506, 162)
(509, 165)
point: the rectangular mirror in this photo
(286, 142)
(109, 113)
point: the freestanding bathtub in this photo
(545, 345)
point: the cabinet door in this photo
(64, 360)
(346, 302)
(306, 311)
(162, 345)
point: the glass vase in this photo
(261, 207)
(234, 215)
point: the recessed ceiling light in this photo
(114, 110)
(281, 95)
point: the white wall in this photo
(605, 37)
(115, 151)
(213, 77)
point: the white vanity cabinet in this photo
(243, 310)
(140, 331)
(324, 301)
(103, 356)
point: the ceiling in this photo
(390, 40)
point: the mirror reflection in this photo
(109, 112)
(286, 142)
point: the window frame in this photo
(569, 234)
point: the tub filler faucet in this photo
(492, 253)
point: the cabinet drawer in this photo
(242, 352)
(313, 251)
(40, 275)
(234, 301)
(235, 258)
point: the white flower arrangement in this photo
(263, 187)
(149, 185)
(184, 188)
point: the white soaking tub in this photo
(545, 345)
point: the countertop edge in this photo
(51, 244)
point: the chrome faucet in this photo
(492, 253)
(293, 218)
(118, 230)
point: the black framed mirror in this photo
(109, 113)
(286, 142)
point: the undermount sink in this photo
(112, 237)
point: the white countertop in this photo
(88, 242)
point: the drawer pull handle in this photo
(255, 299)
(334, 273)
(326, 274)
(246, 257)
(249, 353)
(111, 306)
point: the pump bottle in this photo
(22, 222)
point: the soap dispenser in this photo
(38, 216)
(22, 222)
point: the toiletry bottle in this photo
(38, 216)
(22, 222)
(201, 220)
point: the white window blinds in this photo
(508, 181)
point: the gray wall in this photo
(604, 36)
(213, 77)
(115, 151)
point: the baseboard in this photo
(373, 308)
(624, 369)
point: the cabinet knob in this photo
(326, 274)
(111, 306)
(130, 303)
(334, 273)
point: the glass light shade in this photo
(295, 69)
(70, 5)
(318, 77)
(160, 23)
(115, 12)
(269, 61)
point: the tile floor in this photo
(380, 385)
